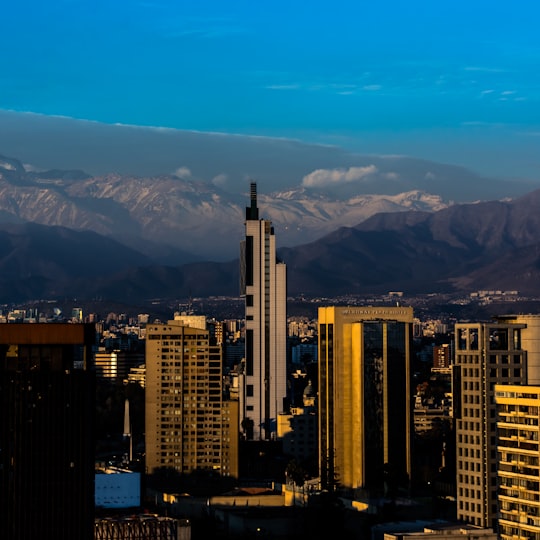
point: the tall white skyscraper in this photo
(263, 283)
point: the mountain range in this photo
(176, 220)
(68, 233)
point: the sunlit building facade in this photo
(365, 417)
(518, 456)
(188, 425)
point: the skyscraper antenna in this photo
(252, 212)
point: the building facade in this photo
(518, 455)
(365, 398)
(530, 341)
(47, 399)
(114, 366)
(263, 283)
(188, 425)
(441, 355)
(486, 354)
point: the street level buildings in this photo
(365, 429)
(263, 284)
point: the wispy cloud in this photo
(182, 172)
(483, 123)
(484, 69)
(282, 87)
(371, 87)
(203, 27)
(327, 177)
(207, 33)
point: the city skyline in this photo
(455, 83)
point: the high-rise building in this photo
(486, 354)
(365, 419)
(263, 283)
(189, 426)
(518, 457)
(47, 399)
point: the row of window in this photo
(178, 340)
(467, 466)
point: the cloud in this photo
(484, 69)
(282, 87)
(328, 177)
(182, 172)
(28, 167)
(203, 28)
(371, 87)
(220, 180)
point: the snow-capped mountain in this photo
(162, 214)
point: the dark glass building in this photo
(47, 398)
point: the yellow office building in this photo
(365, 398)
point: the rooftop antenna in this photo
(252, 212)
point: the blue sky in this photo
(453, 81)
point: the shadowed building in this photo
(365, 398)
(487, 354)
(47, 393)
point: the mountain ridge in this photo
(457, 250)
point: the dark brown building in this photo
(47, 394)
(441, 355)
